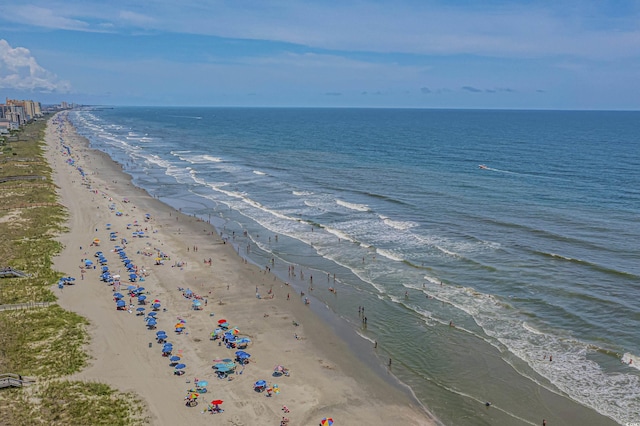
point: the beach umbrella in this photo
(260, 384)
(197, 303)
(174, 358)
(161, 332)
(88, 262)
(156, 306)
(202, 384)
(243, 340)
(217, 402)
(140, 309)
(152, 314)
(132, 287)
(180, 366)
(141, 297)
(222, 321)
(327, 421)
(140, 289)
(156, 301)
(179, 325)
(118, 295)
(151, 322)
(222, 368)
(121, 303)
(167, 348)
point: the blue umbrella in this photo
(156, 306)
(140, 289)
(131, 287)
(152, 314)
(142, 297)
(88, 262)
(118, 295)
(174, 358)
(180, 366)
(197, 303)
(161, 332)
(167, 346)
(121, 304)
(260, 384)
(140, 309)
(151, 322)
(222, 368)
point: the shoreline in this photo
(327, 380)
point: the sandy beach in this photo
(326, 379)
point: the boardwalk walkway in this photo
(11, 273)
(28, 305)
(13, 380)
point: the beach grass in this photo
(71, 403)
(45, 343)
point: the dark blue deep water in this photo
(535, 255)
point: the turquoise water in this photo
(535, 255)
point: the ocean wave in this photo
(389, 254)
(353, 206)
(199, 159)
(399, 224)
(593, 265)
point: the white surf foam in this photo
(353, 206)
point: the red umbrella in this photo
(222, 321)
(217, 402)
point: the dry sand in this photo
(326, 379)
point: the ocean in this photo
(516, 283)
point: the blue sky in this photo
(402, 53)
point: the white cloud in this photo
(20, 70)
(137, 19)
(44, 17)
